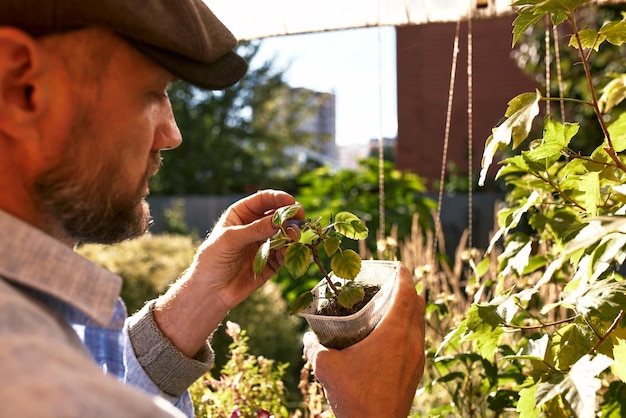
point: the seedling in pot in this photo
(315, 237)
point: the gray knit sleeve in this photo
(169, 369)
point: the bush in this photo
(273, 333)
(148, 265)
(248, 385)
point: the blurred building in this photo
(318, 120)
(424, 62)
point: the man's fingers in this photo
(261, 203)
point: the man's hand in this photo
(220, 276)
(378, 376)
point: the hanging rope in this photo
(557, 55)
(470, 135)
(381, 157)
(455, 53)
(548, 64)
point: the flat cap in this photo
(183, 36)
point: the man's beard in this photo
(87, 207)
(88, 216)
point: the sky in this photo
(357, 65)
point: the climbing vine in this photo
(550, 329)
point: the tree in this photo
(235, 140)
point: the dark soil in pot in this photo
(332, 308)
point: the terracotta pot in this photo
(342, 331)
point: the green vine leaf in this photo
(589, 39)
(613, 94)
(557, 9)
(556, 137)
(526, 404)
(615, 32)
(619, 355)
(513, 218)
(349, 225)
(350, 295)
(590, 185)
(516, 127)
(617, 131)
(526, 18)
(578, 387)
(603, 298)
(346, 264)
(483, 324)
(297, 259)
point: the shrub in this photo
(248, 385)
(147, 265)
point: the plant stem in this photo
(609, 149)
(542, 325)
(611, 328)
(318, 262)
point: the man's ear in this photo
(20, 82)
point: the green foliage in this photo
(324, 190)
(147, 265)
(247, 386)
(237, 138)
(299, 254)
(174, 218)
(273, 334)
(555, 313)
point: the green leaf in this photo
(513, 220)
(284, 213)
(534, 350)
(346, 264)
(589, 39)
(297, 259)
(526, 18)
(571, 342)
(261, 257)
(578, 387)
(614, 402)
(590, 185)
(526, 405)
(483, 324)
(519, 115)
(604, 298)
(619, 355)
(615, 32)
(349, 225)
(613, 94)
(304, 300)
(350, 295)
(331, 245)
(556, 137)
(617, 131)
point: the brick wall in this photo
(424, 61)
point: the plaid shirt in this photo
(84, 297)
